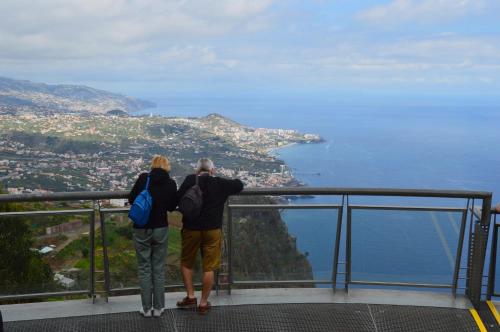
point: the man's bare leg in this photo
(208, 282)
(187, 276)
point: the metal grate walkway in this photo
(279, 317)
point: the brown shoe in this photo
(187, 303)
(203, 309)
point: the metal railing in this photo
(492, 270)
(476, 251)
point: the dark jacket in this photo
(163, 190)
(216, 191)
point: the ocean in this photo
(376, 146)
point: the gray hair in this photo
(204, 165)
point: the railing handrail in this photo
(96, 195)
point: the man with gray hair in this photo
(204, 232)
(205, 165)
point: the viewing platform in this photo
(274, 309)
(357, 291)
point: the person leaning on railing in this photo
(205, 232)
(151, 240)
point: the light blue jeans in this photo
(151, 252)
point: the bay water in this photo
(376, 146)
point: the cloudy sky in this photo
(256, 47)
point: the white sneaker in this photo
(158, 312)
(146, 314)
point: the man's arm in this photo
(232, 187)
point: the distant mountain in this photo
(27, 95)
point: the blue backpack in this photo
(141, 209)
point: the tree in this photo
(22, 269)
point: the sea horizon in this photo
(350, 131)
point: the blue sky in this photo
(225, 48)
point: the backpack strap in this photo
(147, 181)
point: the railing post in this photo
(470, 244)
(92, 251)
(107, 281)
(348, 248)
(458, 257)
(337, 246)
(229, 249)
(493, 261)
(477, 251)
(224, 275)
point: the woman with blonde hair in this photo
(151, 239)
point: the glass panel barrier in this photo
(45, 253)
(121, 252)
(405, 246)
(496, 286)
(283, 245)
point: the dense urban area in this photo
(73, 152)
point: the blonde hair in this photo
(160, 162)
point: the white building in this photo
(64, 281)
(118, 202)
(45, 250)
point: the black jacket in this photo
(163, 190)
(216, 191)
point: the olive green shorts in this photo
(210, 244)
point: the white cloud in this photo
(228, 8)
(445, 49)
(191, 56)
(86, 28)
(421, 11)
(440, 60)
(238, 42)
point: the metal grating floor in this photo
(279, 317)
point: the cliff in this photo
(263, 249)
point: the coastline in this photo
(276, 153)
(273, 152)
